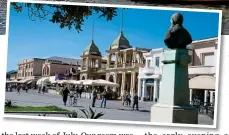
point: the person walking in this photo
(124, 99)
(18, 89)
(81, 91)
(39, 89)
(135, 102)
(65, 95)
(43, 89)
(104, 99)
(128, 99)
(94, 96)
(26, 88)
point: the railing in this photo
(204, 108)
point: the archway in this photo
(83, 78)
(202, 82)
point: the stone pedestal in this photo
(173, 105)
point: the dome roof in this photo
(121, 42)
(92, 49)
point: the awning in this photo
(30, 82)
(99, 82)
(12, 81)
(24, 81)
(202, 82)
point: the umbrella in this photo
(106, 83)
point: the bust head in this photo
(177, 37)
(177, 18)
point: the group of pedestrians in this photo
(103, 98)
(126, 100)
(18, 88)
(42, 89)
(126, 97)
(76, 93)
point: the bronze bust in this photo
(177, 36)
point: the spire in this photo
(122, 21)
(92, 36)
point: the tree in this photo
(69, 16)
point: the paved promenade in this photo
(113, 111)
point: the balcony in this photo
(151, 70)
(201, 70)
(147, 70)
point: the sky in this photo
(143, 28)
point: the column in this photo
(82, 64)
(155, 87)
(108, 60)
(123, 82)
(116, 59)
(87, 65)
(139, 88)
(143, 90)
(134, 58)
(133, 84)
(190, 97)
(124, 60)
(205, 96)
(211, 96)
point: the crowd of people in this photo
(75, 92)
(18, 87)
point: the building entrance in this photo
(149, 92)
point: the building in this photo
(120, 66)
(30, 68)
(58, 65)
(11, 75)
(150, 76)
(201, 72)
(35, 68)
(203, 69)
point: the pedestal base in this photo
(174, 114)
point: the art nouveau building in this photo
(202, 71)
(121, 64)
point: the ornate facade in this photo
(120, 66)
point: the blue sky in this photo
(143, 28)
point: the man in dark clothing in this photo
(43, 89)
(26, 88)
(80, 91)
(18, 89)
(65, 95)
(39, 89)
(104, 99)
(94, 96)
(135, 102)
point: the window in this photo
(157, 61)
(208, 59)
(148, 63)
